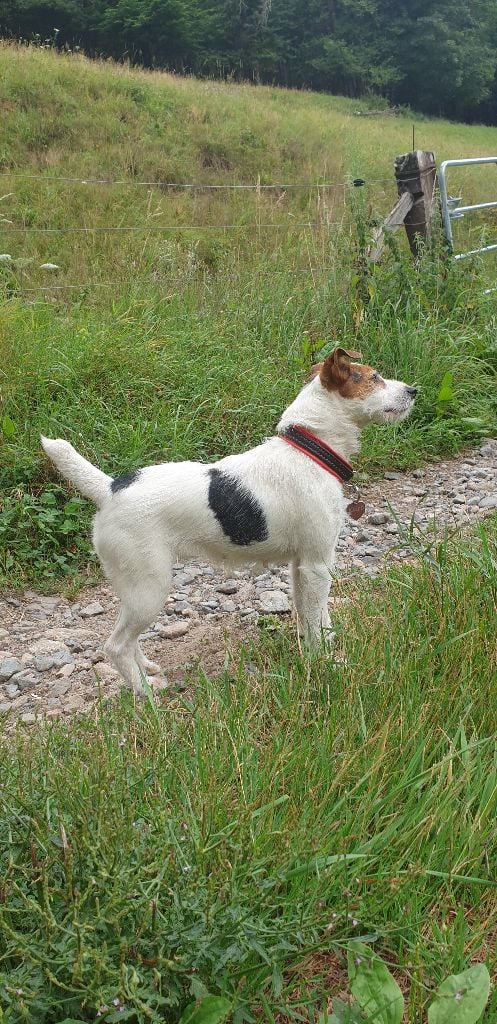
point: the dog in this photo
(281, 502)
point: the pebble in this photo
(44, 662)
(8, 667)
(274, 601)
(230, 587)
(94, 608)
(379, 518)
(173, 630)
(489, 502)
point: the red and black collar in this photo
(316, 449)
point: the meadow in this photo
(236, 838)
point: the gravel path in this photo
(51, 661)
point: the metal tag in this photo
(356, 509)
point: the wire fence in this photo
(229, 186)
(8, 227)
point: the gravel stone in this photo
(274, 601)
(379, 518)
(11, 690)
(173, 630)
(8, 667)
(94, 608)
(230, 587)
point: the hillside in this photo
(67, 116)
(162, 299)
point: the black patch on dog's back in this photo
(236, 509)
(119, 483)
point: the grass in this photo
(235, 838)
(175, 342)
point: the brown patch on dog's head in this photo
(350, 379)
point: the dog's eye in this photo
(376, 377)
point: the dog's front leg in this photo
(311, 584)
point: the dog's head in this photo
(367, 395)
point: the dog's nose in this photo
(412, 392)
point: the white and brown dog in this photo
(279, 502)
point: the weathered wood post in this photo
(415, 174)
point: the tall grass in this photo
(222, 840)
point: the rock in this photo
(66, 671)
(379, 518)
(8, 667)
(94, 608)
(4, 707)
(229, 587)
(274, 602)
(28, 718)
(173, 631)
(44, 662)
(11, 690)
(459, 499)
(489, 502)
(3, 635)
(59, 689)
(25, 680)
(393, 476)
(228, 606)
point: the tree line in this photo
(439, 57)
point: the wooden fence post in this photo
(415, 174)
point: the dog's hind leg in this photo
(142, 597)
(311, 585)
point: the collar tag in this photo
(355, 509)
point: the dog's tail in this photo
(87, 478)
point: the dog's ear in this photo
(335, 371)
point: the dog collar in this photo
(318, 451)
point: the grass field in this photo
(168, 341)
(238, 837)
(150, 853)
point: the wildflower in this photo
(49, 266)
(5, 257)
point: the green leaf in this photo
(211, 1010)
(446, 393)
(343, 1013)
(8, 427)
(461, 998)
(197, 988)
(372, 985)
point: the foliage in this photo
(460, 999)
(166, 342)
(440, 59)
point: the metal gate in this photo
(450, 204)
